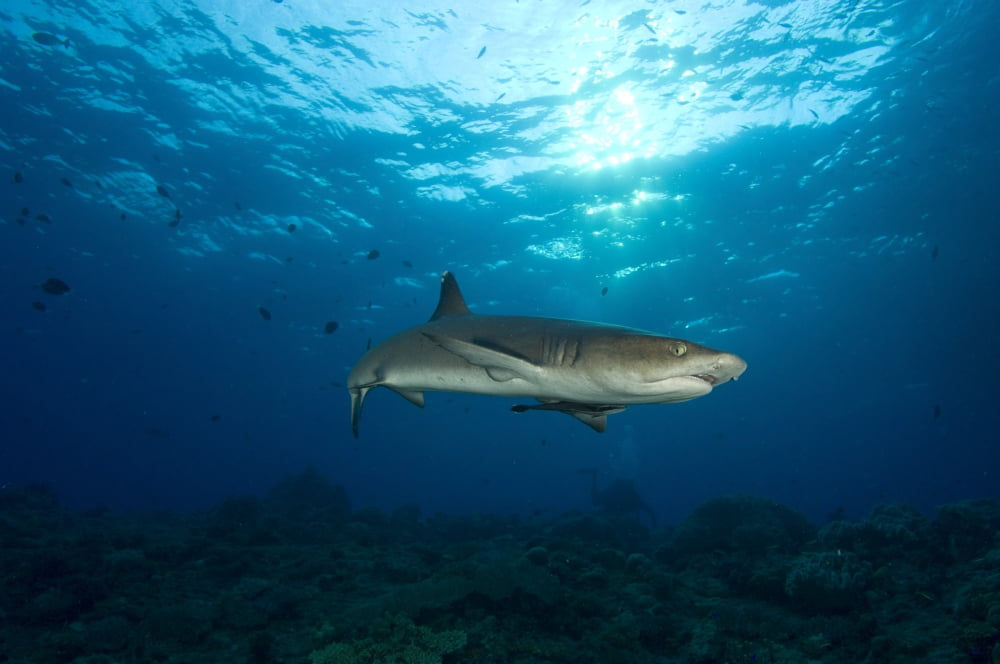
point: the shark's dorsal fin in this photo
(451, 302)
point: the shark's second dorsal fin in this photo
(451, 303)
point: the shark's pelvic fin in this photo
(451, 302)
(501, 365)
(594, 416)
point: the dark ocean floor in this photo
(301, 577)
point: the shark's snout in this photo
(725, 367)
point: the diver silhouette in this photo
(620, 498)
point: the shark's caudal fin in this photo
(451, 302)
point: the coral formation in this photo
(299, 576)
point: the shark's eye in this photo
(678, 348)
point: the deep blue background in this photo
(881, 224)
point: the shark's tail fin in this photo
(357, 401)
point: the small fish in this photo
(291, 228)
(215, 418)
(66, 182)
(815, 114)
(122, 216)
(46, 39)
(373, 254)
(369, 343)
(407, 264)
(786, 25)
(681, 11)
(937, 410)
(736, 96)
(264, 313)
(44, 218)
(38, 306)
(173, 223)
(481, 51)
(934, 253)
(20, 221)
(162, 191)
(604, 291)
(18, 178)
(237, 205)
(502, 95)
(54, 286)
(25, 212)
(331, 327)
(649, 27)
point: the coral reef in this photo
(301, 577)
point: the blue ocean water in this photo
(808, 185)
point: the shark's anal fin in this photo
(499, 365)
(416, 398)
(594, 416)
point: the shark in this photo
(584, 369)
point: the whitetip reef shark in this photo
(587, 370)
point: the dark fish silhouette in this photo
(604, 291)
(18, 178)
(481, 51)
(937, 410)
(373, 254)
(215, 418)
(264, 313)
(934, 253)
(237, 205)
(44, 218)
(38, 306)
(46, 39)
(331, 327)
(66, 182)
(25, 212)
(162, 191)
(291, 228)
(407, 264)
(55, 286)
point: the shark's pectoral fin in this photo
(416, 398)
(499, 365)
(594, 416)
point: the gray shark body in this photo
(587, 370)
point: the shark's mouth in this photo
(708, 378)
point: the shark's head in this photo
(665, 370)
